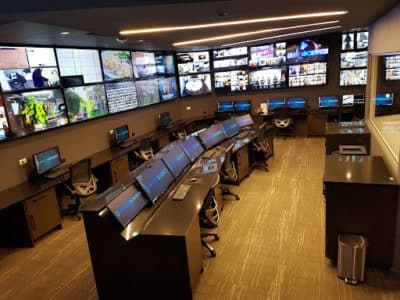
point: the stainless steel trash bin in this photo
(351, 257)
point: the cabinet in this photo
(119, 168)
(242, 162)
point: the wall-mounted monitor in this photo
(195, 85)
(144, 64)
(353, 77)
(167, 88)
(307, 50)
(212, 136)
(193, 62)
(121, 134)
(31, 112)
(47, 160)
(230, 58)
(229, 52)
(86, 102)
(147, 92)
(116, 64)
(155, 179)
(121, 96)
(308, 74)
(230, 127)
(192, 148)
(268, 55)
(296, 103)
(4, 131)
(165, 64)
(226, 106)
(384, 99)
(362, 40)
(392, 65)
(231, 81)
(244, 120)
(80, 62)
(354, 59)
(176, 160)
(242, 105)
(328, 102)
(276, 103)
(267, 78)
(348, 41)
(350, 100)
(127, 205)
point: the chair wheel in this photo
(217, 237)
(213, 254)
(237, 197)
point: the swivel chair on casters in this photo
(262, 149)
(228, 175)
(283, 121)
(145, 149)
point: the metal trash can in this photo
(352, 249)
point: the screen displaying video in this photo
(193, 62)
(167, 88)
(80, 62)
(165, 65)
(147, 92)
(230, 63)
(26, 57)
(35, 111)
(353, 77)
(392, 64)
(385, 99)
(144, 64)
(231, 81)
(116, 64)
(229, 52)
(268, 55)
(267, 78)
(192, 148)
(306, 51)
(348, 41)
(276, 103)
(3, 122)
(362, 40)
(328, 101)
(195, 85)
(226, 106)
(351, 100)
(212, 136)
(296, 103)
(176, 160)
(308, 74)
(121, 96)
(85, 102)
(354, 59)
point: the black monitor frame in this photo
(35, 161)
(116, 140)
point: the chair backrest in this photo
(282, 113)
(80, 171)
(145, 143)
(228, 158)
(261, 133)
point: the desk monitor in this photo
(230, 127)
(121, 134)
(47, 160)
(165, 119)
(328, 101)
(155, 180)
(275, 103)
(226, 106)
(244, 120)
(384, 99)
(176, 160)
(192, 148)
(127, 205)
(243, 105)
(212, 136)
(296, 103)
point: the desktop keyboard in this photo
(181, 192)
(127, 144)
(242, 135)
(56, 173)
(208, 154)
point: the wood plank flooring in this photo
(271, 246)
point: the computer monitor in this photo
(384, 99)
(244, 120)
(226, 106)
(127, 205)
(121, 134)
(212, 136)
(351, 100)
(192, 148)
(165, 119)
(242, 105)
(230, 127)
(176, 160)
(296, 103)
(47, 160)
(328, 101)
(275, 103)
(155, 180)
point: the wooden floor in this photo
(271, 246)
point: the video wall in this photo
(392, 67)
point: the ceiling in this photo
(96, 23)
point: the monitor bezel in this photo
(37, 153)
(115, 134)
(338, 101)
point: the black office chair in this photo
(145, 151)
(283, 121)
(82, 184)
(228, 175)
(261, 149)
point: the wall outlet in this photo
(111, 131)
(23, 161)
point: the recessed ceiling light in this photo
(282, 35)
(235, 35)
(231, 23)
(64, 33)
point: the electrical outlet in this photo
(111, 131)
(22, 161)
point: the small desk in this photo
(361, 198)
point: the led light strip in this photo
(231, 23)
(235, 35)
(282, 35)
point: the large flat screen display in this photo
(168, 88)
(80, 62)
(192, 148)
(267, 78)
(35, 111)
(195, 85)
(353, 77)
(147, 92)
(230, 64)
(229, 52)
(268, 55)
(176, 160)
(86, 102)
(328, 101)
(384, 99)
(306, 51)
(354, 59)
(212, 136)
(350, 100)
(226, 106)
(121, 96)
(231, 81)
(362, 40)
(165, 64)
(144, 64)
(155, 180)
(230, 58)
(193, 62)
(308, 74)
(392, 64)
(230, 127)
(275, 103)
(348, 41)
(116, 64)
(4, 131)
(296, 103)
